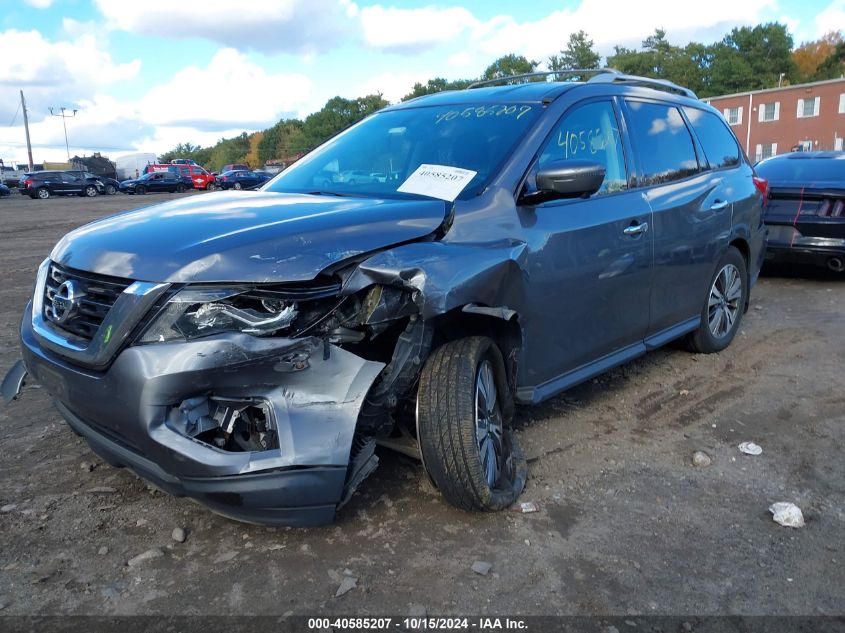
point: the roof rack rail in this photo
(600, 75)
(644, 81)
(545, 73)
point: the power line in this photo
(14, 118)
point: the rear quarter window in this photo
(662, 142)
(716, 139)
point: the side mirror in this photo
(566, 179)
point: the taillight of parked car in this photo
(763, 187)
(27, 182)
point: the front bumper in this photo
(123, 414)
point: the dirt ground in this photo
(626, 525)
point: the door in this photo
(590, 259)
(71, 184)
(692, 210)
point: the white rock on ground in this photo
(151, 553)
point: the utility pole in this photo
(26, 128)
(64, 124)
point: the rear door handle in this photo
(636, 229)
(719, 204)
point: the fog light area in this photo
(227, 424)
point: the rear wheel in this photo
(43, 193)
(724, 305)
(465, 439)
(90, 191)
(210, 187)
(111, 190)
(140, 190)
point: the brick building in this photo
(778, 120)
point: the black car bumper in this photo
(788, 245)
(128, 414)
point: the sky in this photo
(144, 75)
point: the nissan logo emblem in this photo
(66, 301)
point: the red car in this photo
(201, 178)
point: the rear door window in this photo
(716, 139)
(662, 142)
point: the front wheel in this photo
(210, 187)
(90, 191)
(724, 305)
(140, 190)
(180, 188)
(111, 190)
(237, 185)
(465, 438)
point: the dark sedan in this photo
(806, 209)
(157, 182)
(241, 179)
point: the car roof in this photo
(814, 155)
(535, 92)
(536, 87)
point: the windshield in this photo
(802, 170)
(374, 157)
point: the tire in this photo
(471, 474)
(111, 190)
(43, 193)
(724, 305)
(90, 191)
(210, 187)
(180, 188)
(140, 190)
(237, 186)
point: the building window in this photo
(733, 115)
(808, 107)
(837, 144)
(842, 103)
(766, 150)
(769, 111)
(806, 146)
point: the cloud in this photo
(54, 73)
(414, 30)
(632, 22)
(39, 4)
(230, 91)
(294, 26)
(830, 16)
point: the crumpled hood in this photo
(244, 236)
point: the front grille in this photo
(100, 293)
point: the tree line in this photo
(747, 58)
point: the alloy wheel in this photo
(489, 428)
(724, 303)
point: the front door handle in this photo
(719, 204)
(636, 229)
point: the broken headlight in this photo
(194, 313)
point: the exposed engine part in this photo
(362, 462)
(397, 380)
(404, 443)
(230, 425)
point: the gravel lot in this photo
(626, 525)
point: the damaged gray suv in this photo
(249, 349)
